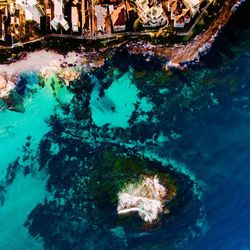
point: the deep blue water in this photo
(193, 125)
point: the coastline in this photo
(51, 62)
(180, 55)
(47, 63)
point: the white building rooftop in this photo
(59, 16)
(74, 19)
(101, 13)
(27, 5)
(195, 2)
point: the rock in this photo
(237, 5)
(69, 75)
(5, 87)
(15, 101)
(145, 198)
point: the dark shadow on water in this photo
(232, 37)
(224, 48)
(180, 75)
(123, 61)
(232, 33)
(213, 59)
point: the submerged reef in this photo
(104, 152)
(84, 184)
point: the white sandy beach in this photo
(46, 62)
(38, 60)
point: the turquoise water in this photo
(193, 125)
(117, 105)
(16, 127)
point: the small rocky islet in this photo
(84, 184)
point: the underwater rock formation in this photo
(68, 75)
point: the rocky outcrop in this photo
(68, 75)
(5, 87)
(145, 198)
(237, 5)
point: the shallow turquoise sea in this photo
(193, 124)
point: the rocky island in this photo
(145, 197)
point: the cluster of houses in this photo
(3, 17)
(110, 17)
(181, 11)
(14, 14)
(88, 18)
(85, 17)
(151, 16)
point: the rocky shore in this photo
(180, 55)
(47, 63)
(67, 67)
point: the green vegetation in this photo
(186, 39)
(165, 37)
(31, 29)
(5, 53)
(115, 171)
(200, 26)
(137, 26)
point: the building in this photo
(179, 21)
(75, 19)
(176, 9)
(193, 5)
(186, 15)
(31, 9)
(59, 19)
(151, 17)
(131, 11)
(118, 17)
(3, 18)
(101, 14)
(181, 12)
(17, 28)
